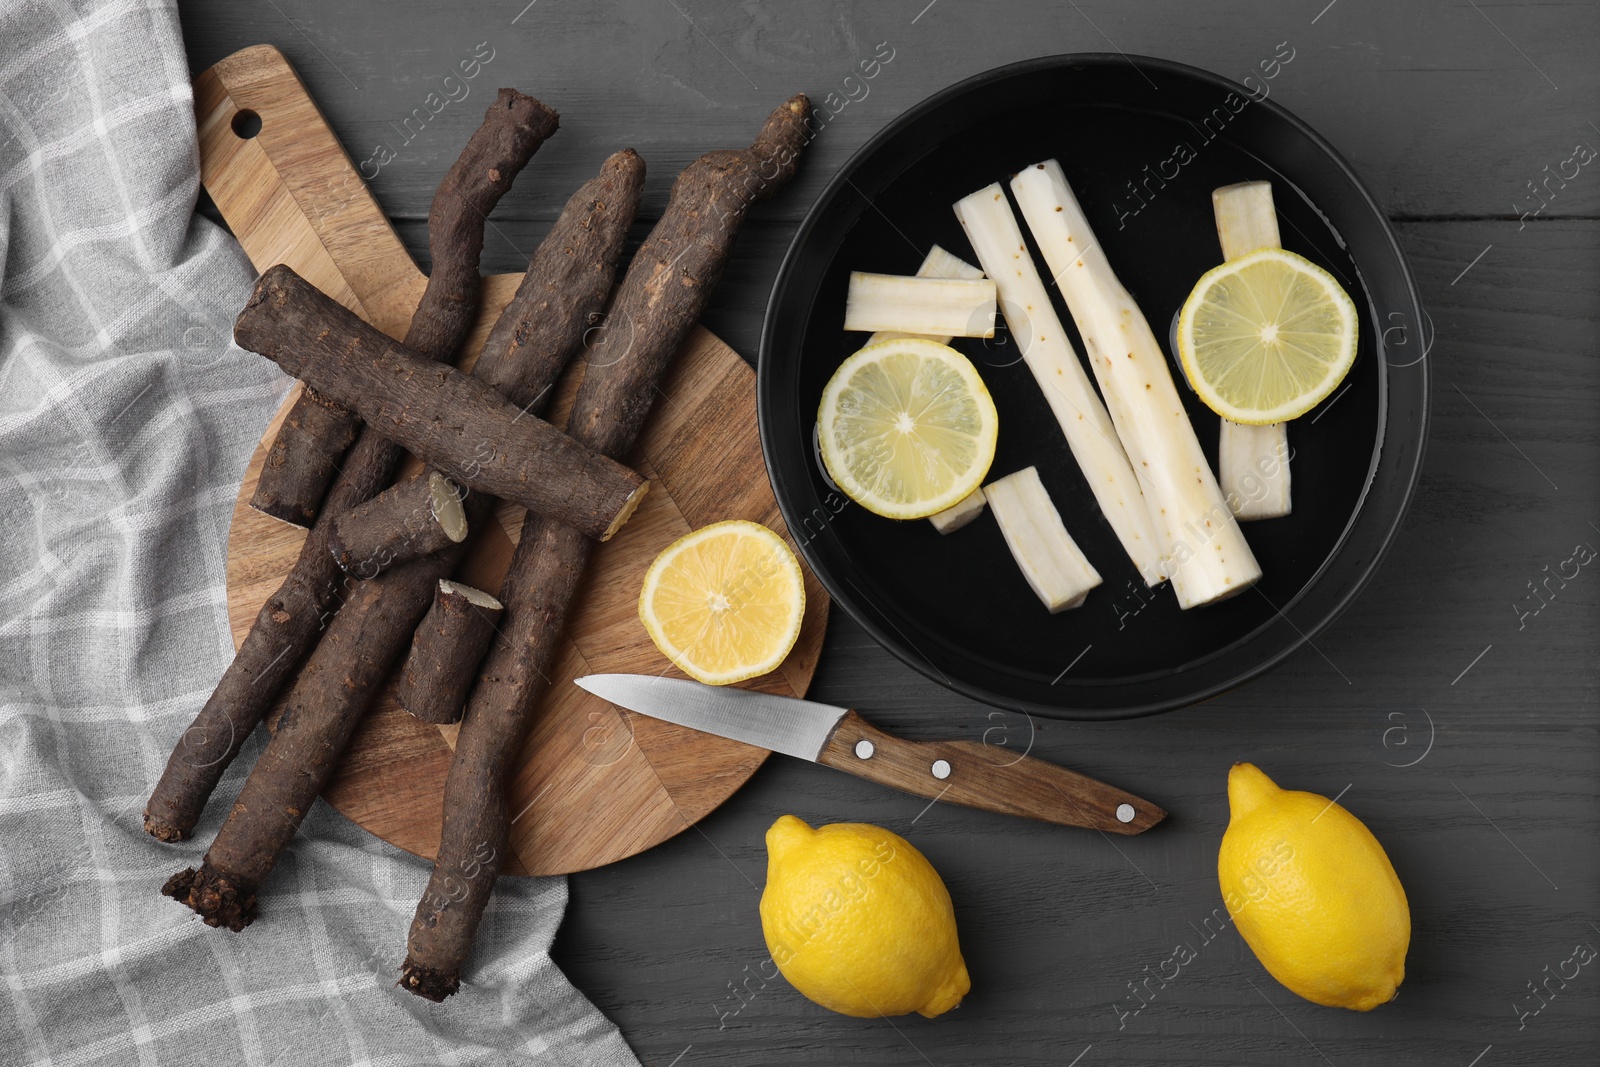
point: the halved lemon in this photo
(724, 603)
(907, 428)
(1266, 337)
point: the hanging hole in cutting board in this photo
(246, 124)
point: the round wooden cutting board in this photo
(596, 784)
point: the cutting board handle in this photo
(291, 194)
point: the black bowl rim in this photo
(1329, 615)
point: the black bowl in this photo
(956, 607)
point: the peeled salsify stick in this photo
(960, 513)
(992, 229)
(1252, 461)
(921, 305)
(1047, 555)
(1207, 556)
(941, 264)
(938, 263)
(1253, 469)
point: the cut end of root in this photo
(475, 597)
(628, 508)
(1224, 594)
(292, 514)
(428, 982)
(162, 832)
(447, 509)
(214, 897)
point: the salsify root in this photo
(537, 334)
(304, 457)
(288, 624)
(449, 419)
(663, 294)
(409, 519)
(446, 651)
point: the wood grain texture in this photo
(982, 776)
(1446, 122)
(1437, 75)
(589, 792)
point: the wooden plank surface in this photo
(1411, 92)
(1443, 109)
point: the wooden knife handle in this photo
(983, 776)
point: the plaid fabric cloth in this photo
(126, 419)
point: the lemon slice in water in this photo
(907, 428)
(1266, 337)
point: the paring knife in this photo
(969, 773)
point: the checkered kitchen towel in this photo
(126, 419)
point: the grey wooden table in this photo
(1460, 729)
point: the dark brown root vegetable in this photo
(305, 455)
(288, 624)
(446, 651)
(666, 288)
(304, 458)
(538, 333)
(409, 519)
(298, 761)
(450, 420)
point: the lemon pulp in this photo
(1266, 337)
(724, 603)
(907, 428)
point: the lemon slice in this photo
(724, 603)
(1266, 337)
(907, 428)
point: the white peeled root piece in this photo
(938, 263)
(1253, 469)
(958, 515)
(992, 228)
(1247, 219)
(1206, 554)
(945, 307)
(1252, 461)
(1049, 558)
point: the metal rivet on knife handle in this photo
(864, 749)
(941, 769)
(1125, 813)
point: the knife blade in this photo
(968, 773)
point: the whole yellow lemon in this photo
(859, 921)
(1313, 894)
